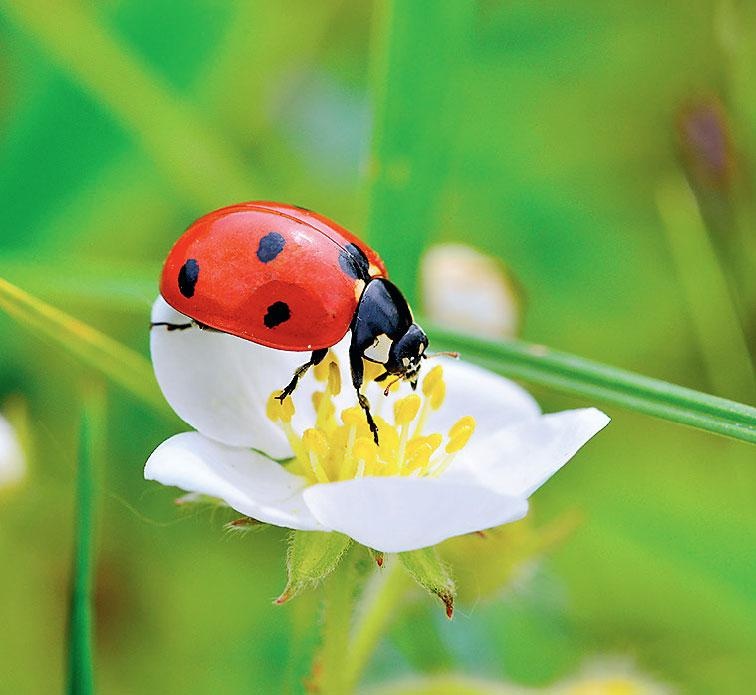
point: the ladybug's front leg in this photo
(358, 370)
(183, 326)
(316, 358)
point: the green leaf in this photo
(80, 673)
(429, 572)
(311, 557)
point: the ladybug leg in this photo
(358, 372)
(316, 358)
(184, 326)
(172, 326)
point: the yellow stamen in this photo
(352, 416)
(462, 424)
(334, 379)
(437, 396)
(321, 370)
(324, 409)
(431, 379)
(341, 446)
(280, 411)
(405, 409)
(372, 371)
(317, 448)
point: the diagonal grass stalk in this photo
(585, 378)
(704, 284)
(119, 363)
(201, 165)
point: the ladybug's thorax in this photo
(385, 332)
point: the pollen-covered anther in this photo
(352, 416)
(279, 411)
(334, 379)
(406, 409)
(460, 433)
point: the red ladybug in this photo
(288, 278)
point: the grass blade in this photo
(202, 166)
(416, 111)
(598, 382)
(120, 364)
(80, 662)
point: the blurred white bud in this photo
(468, 291)
(610, 676)
(12, 465)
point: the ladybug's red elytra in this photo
(288, 278)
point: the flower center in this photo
(341, 447)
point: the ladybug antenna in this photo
(388, 388)
(454, 355)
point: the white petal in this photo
(11, 456)
(491, 399)
(520, 458)
(398, 513)
(220, 384)
(247, 481)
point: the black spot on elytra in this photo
(354, 262)
(187, 277)
(278, 313)
(270, 246)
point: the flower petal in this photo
(246, 480)
(220, 384)
(11, 456)
(520, 458)
(397, 514)
(491, 399)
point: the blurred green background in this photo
(564, 138)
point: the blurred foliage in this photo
(559, 124)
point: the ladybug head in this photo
(406, 354)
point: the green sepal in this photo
(311, 557)
(427, 569)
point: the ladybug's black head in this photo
(406, 354)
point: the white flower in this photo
(11, 456)
(424, 483)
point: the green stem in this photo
(80, 663)
(338, 609)
(378, 610)
(594, 381)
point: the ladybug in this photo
(291, 279)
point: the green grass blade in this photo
(201, 165)
(120, 364)
(721, 340)
(601, 383)
(415, 117)
(80, 662)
